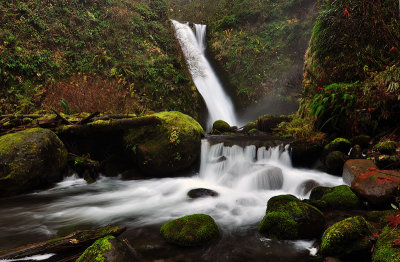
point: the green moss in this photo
(334, 161)
(347, 236)
(379, 217)
(249, 127)
(341, 197)
(221, 126)
(280, 225)
(276, 203)
(339, 144)
(384, 250)
(251, 131)
(191, 230)
(97, 250)
(167, 147)
(386, 147)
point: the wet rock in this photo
(191, 230)
(307, 186)
(109, 249)
(339, 197)
(268, 123)
(378, 187)
(386, 147)
(384, 250)
(289, 218)
(334, 162)
(202, 192)
(305, 153)
(355, 167)
(220, 126)
(339, 144)
(85, 167)
(356, 152)
(269, 179)
(347, 238)
(30, 159)
(249, 126)
(171, 146)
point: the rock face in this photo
(378, 187)
(340, 197)
(349, 237)
(289, 218)
(202, 192)
(355, 167)
(305, 153)
(191, 230)
(168, 147)
(384, 250)
(29, 160)
(108, 249)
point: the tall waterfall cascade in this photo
(193, 45)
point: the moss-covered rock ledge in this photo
(158, 144)
(30, 159)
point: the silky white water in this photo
(245, 179)
(193, 45)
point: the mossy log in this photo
(72, 241)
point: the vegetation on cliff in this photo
(118, 56)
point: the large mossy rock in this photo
(305, 153)
(334, 161)
(171, 146)
(386, 147)
(289, 218)
(29, 160)
(339, 144)
(192, 230)
(384, 250)
(339, 197)
(108, 249)
(347, 238)
(220, 126)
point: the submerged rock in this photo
(171, 146)
(384, 250)
(289, 218)
(108, 249)
(29, 160)
(202, 192)
(191, 230)
(347, 238)
(307, 186)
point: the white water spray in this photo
(193, 46)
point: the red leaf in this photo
(394, 220)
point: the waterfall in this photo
(193, 45)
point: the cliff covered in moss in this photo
(77, 55)
(258, 45)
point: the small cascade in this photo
(193, 46)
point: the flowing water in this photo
(245, 179)
(193, 45)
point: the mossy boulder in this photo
(30, 159)
(289, 218)
(387, 161)
(339, 197)
(338, 144)
(386, 147)
(349, 237)
(191, 230)
(220, 126)
(108, 249)
(268, 123)
(384, 250)
(334, 161)
(171, 146)
(249, 126)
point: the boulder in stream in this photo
(191, 230)
(348, 238)
(109, 249)
(289, 218)
(385, 250)
(339, 197)
(171, 146)
(30, 159)
(202, 192)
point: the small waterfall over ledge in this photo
(193, 46)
